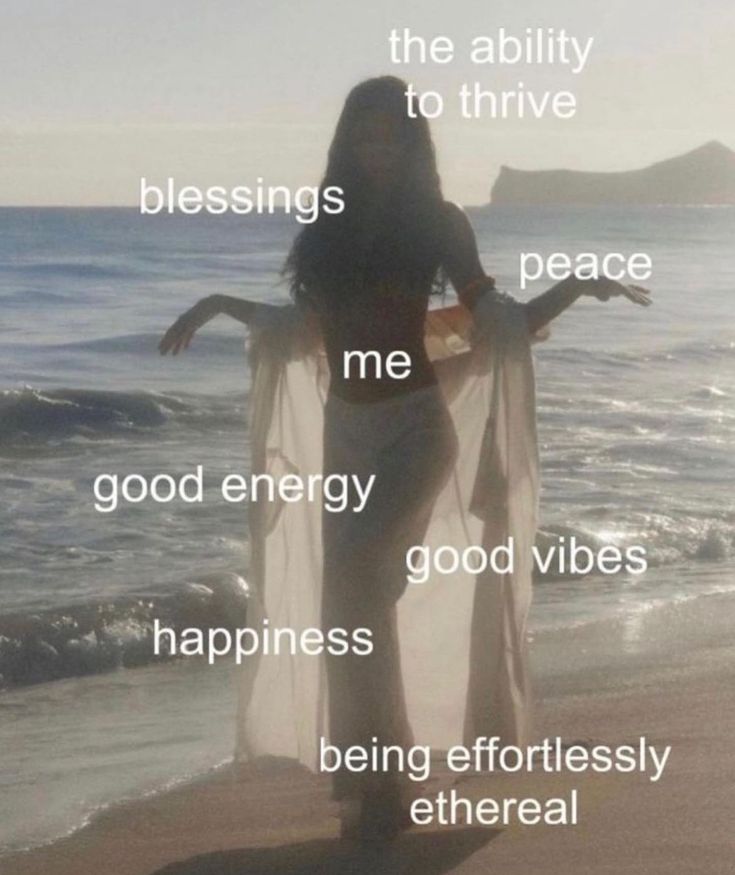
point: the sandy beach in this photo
(367, 438)
(674, 687)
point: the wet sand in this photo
(280, 820)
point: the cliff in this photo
(705, 175)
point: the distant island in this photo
(705, 175)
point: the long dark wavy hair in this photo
(329, 258)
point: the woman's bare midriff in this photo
(387, 322)
(365, 391)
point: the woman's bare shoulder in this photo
(456, 227)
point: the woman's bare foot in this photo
(378, 817)
(350, 812)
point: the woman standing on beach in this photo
(362, 281)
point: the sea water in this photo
(636, 413)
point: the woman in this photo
(362, 280)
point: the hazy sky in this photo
(97, 93)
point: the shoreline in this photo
(280, 818)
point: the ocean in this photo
(636, 411)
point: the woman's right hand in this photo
(179, 335)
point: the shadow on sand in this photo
(417, 854)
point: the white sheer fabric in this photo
(463, 637)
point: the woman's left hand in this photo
(604, 288)
(179, 335)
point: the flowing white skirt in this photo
(462, 636)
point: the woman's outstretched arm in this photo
(548, 305)
(462, 263)
(179, 335)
